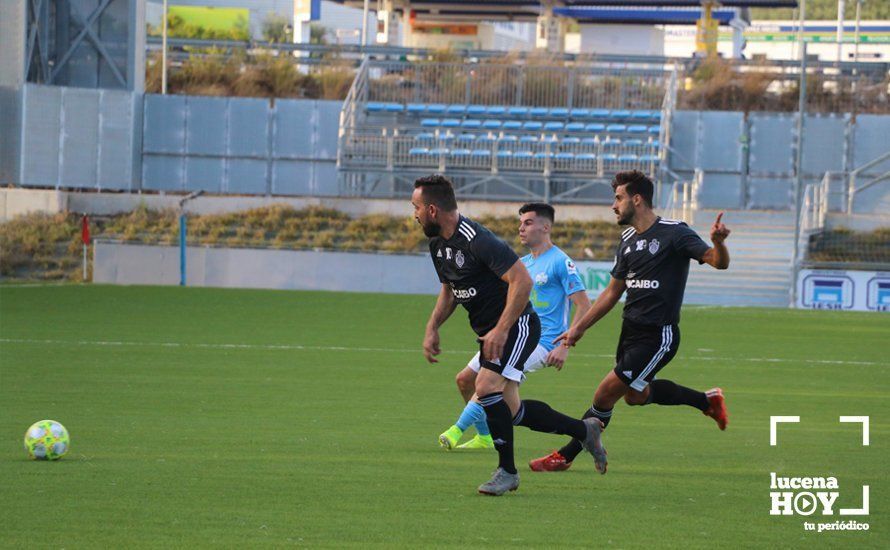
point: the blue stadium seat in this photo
(429, 122)
(509, 138)
(528, 139)
(491, 124)
(612, 142)
(394, 107)
(476, 110)
(435, 108)
(655, 144)
(456, 109)
(633, 142)
(471, 123)
(550, 139)
(439, 151)
(564, 156)
(523, 155)
(517, 111)
(460, 152)
(641, 115)
(559, 112)
(512, 125)
(467, 137)
(589, 141)
(656, 130)
(609, 156)
(579, 113)
(424, 136)
(628, 157)
(419, 151)
(538, 111)
(620, 114)
(649, 158)
(655, 116)
(571, 141)
(585, 156)
(543, 155)
(553, 126)
(446, 137)
(595, 127)
(450, 123)
(496, 110)
(637, 129)
(575, 127)
(505, 154)
(614, 127)
(416, 108)
(599, 113)
(486, 138)
(532, 125)
(481, 153)
(375, 107)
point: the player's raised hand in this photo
(493, 344)
(431, 346)
(719, 232)
(570, 337)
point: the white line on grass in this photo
(300, 347)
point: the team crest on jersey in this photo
(641, 244)
(459, 258)
(653, 246)
(541, 279)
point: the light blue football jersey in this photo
(554, 278)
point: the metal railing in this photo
(853, 189)
(683, 201)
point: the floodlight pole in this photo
(164, 49)
(183, 232)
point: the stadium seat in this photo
(456, 109)
(450, 123)
(394, 107)
(655, 144)
(637, 129)
(633, 142)
(446, 136)
(589, 141)
(531, 125)
(611, 143)
(491, 124)
(575, 127)
(579, 113)
(486, 138)
(439, 151)
(416, 108)
(375, 107)
(505, 154)
(496, 110)
(543, 155)
(429, 122)
(620, 114)
(466, 137)
(595, 127)
(471, 123)
(435, 108)
(609, 156)
(641, 115)
(656, 130)
(649, 158)
(528, 139)
(538, 112)
(564, 155)
(512, 125)
(419, 151)
(553, 126)
(476, 110)
(571, 141)
(509, 138)
(599, 113)
(425, 136)
(559, 112)
(523, 155)
(655, 116)
(585, 156)
(460, 152)
(628, 157)
(481, 153)
(614, 127)
(517, 111)
(550, 139)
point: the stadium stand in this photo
(568, 128)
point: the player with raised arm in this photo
(483, 274)
(557, 286)
(652, 264)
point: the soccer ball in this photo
(47, 440)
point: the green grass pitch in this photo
(204, 417)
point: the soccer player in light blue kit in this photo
(556, 285)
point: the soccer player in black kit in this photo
(652, 264)
(482, 273)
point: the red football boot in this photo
(554, 462)
(717, 408)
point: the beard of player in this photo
(626, 217)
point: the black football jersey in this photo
(472, 262)
(655, 265)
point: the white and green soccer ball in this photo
(47, 440)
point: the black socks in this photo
(540, 417)
(665, 392)
(501, 426)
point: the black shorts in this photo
(521, 342)
(643, 350)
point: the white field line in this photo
(300, 347)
